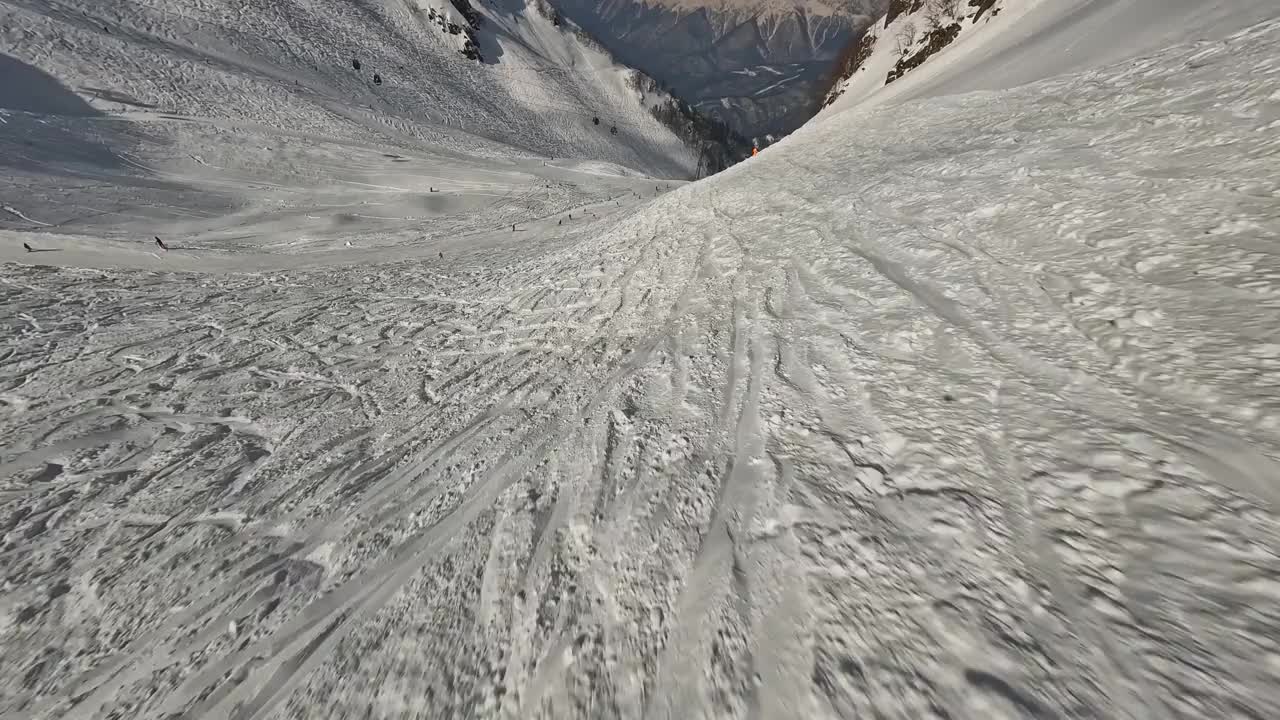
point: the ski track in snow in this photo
(877, 424)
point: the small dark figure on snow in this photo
(442, 255)
(595, 121)
(613, 130)
(377, 79)
(28, 247)
(162, 245)
(355, 64)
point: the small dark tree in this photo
(473, 18)
(849, 62)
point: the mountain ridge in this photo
(926, 48)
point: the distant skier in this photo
(162, 245)
(595, 121)
(613, 130)
(355, 64)
(377, 79)
(754, 151)
(28, 247)
(441, 254)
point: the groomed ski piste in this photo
(961, 406)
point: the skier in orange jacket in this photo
(754, 151)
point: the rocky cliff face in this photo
(754, 64)
(911, 32)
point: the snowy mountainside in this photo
(922, 48)
(240, 125)
(288, 64)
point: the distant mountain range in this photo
(754, 64)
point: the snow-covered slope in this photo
(289, 64)
(247, 123)
(962, 407)
(925, 48)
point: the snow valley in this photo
(432, 397)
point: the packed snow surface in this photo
(967, 407)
